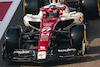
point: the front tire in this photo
(79, 38)
(13, 39)
(77, 35)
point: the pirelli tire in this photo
(31, 6)
(13, 39)
(77, 35)
(90, 9)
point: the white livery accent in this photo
(41, 55)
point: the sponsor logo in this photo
(46, 29)
(22, 52)
(47, 24)
(66, 50)
(60, 11)
(45, 36)
(42, 48)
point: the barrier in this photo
(7, 10)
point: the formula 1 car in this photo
(54, 33)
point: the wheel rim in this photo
(24, 6)
(98, 6)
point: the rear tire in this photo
(90, 9)
(31, 6)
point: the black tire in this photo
(90, 9)
(31, 6)
(13, 39)
(77, 35)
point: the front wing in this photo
(24, 55)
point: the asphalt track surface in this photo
(91, 59)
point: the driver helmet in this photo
(54, 12)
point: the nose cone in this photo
(41, 55)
